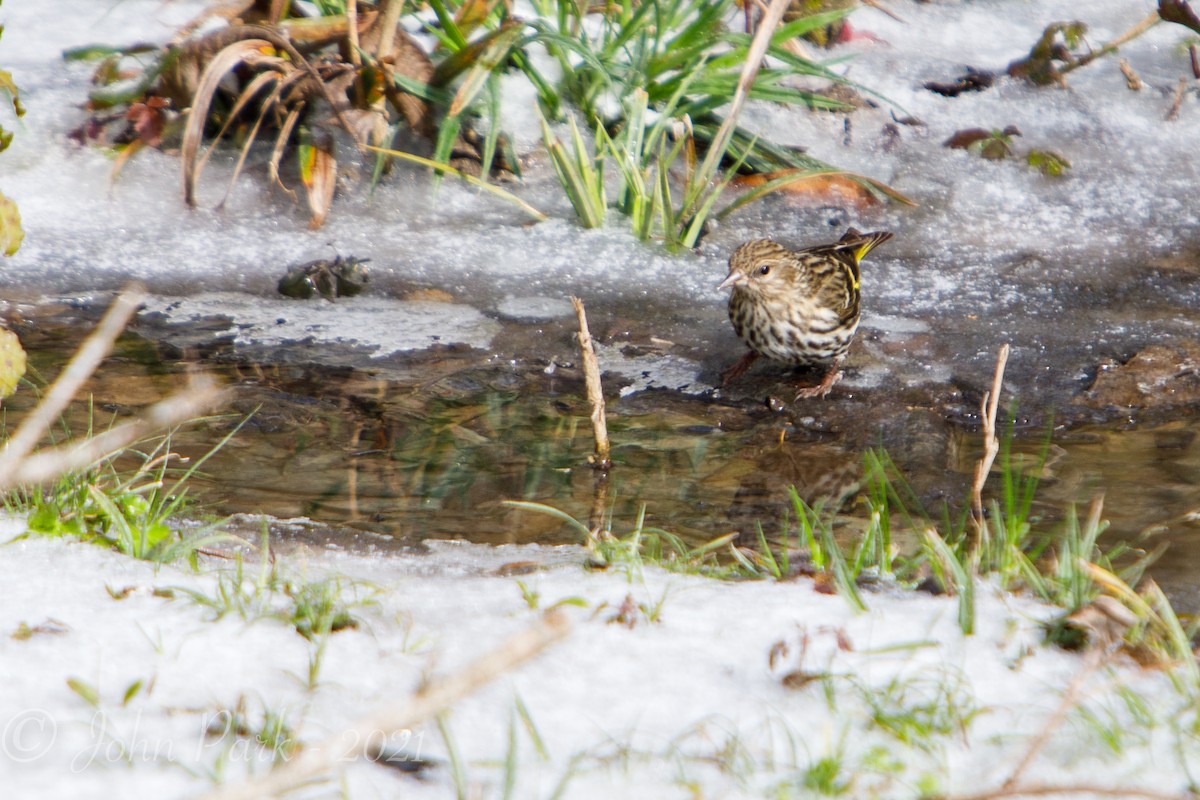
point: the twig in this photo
(754, 58)
(880, 7)
(1137, 30)
(89, 355)
(201, 396)
(595, 392)
(352, 32)
(991, 444)
(387, 33)
(1131, 78)
(366, 736)
(1177, 102)
(1095, 659)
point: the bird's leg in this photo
(738, 368)
(822, 389)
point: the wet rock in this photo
(1160, 375)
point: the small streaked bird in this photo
(797, 306)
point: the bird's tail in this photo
(859, 244)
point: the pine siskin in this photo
(799, 307)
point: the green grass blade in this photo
(471, 179)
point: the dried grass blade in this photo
(471, 179)
(285, 135)
(245, 151)
(246, 51)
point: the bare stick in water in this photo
(595, 392)
(991, 444)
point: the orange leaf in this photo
(822, 189)
(318, 172)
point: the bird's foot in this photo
(740, 367)
(821, 389)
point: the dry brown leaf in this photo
(1179, 11)
(318, 172)
(11, 233)
(824, 189)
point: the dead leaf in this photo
(963, 139)
(823, 583)
(148, 119)
(314, 33)
(973, 80)
(777, 653)
(8, 87)
(993, 145)
(798, 679)
(11, 234)
(12, 362)
(1179, 11)
(822, 189)
(1054, 47)
(472, 13)
(318, 173)
(1131, 78)
(50, 626)
(1105, 620)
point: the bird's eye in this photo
(764, 269)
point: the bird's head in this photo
(759, 266)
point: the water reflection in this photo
(433, 455)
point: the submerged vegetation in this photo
(1065, 565)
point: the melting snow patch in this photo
(534, 309)
(652, 371)
(383, 325)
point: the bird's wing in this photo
(841, 276)
(836, 280)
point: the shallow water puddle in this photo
(428, 447)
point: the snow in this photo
(673, 694)
(378, 324)
(691, 699)
(986, 238)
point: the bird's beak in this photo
(732, 279)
